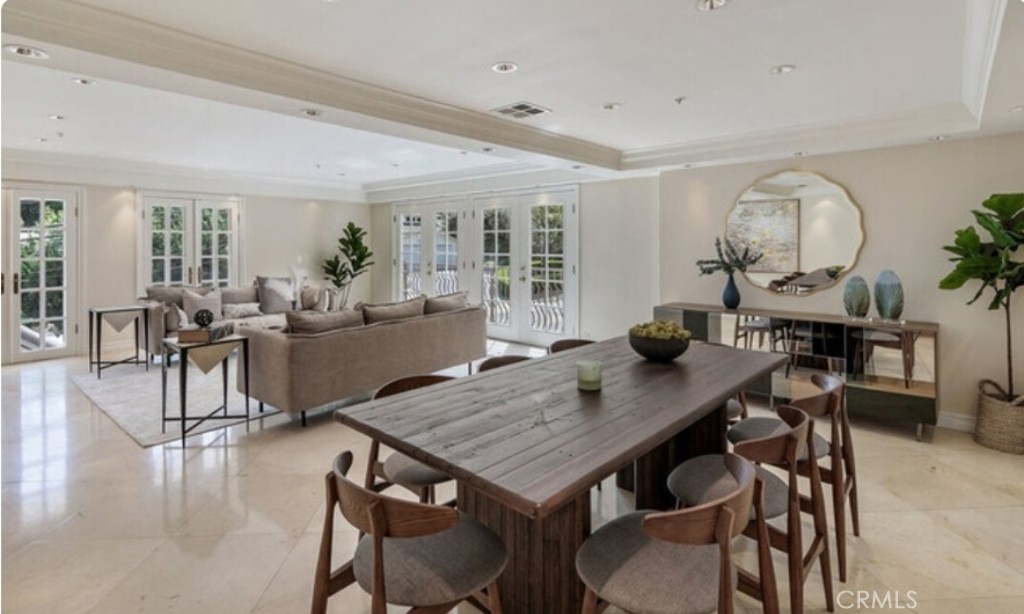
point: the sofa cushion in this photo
(245, 294)
(173, 295)
(313, 298)
(195, 302)
(392, 311)
(447, 302)
(175, 318)
(275, 294)
(306, 322)
(233, 311)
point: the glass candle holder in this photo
(588, 375)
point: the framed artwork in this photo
(771, 227)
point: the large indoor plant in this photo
(729, 261)
(997, 264)
(352, 261)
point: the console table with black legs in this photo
(118, 317)
(206, 356)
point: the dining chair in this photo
(702, 478)
(500, 361)
(678, 561)
(841, 472)
(868, 340)
(398, 468)
(567, 344)
(428, 557)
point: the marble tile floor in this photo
(93, 523)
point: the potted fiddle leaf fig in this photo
(352, 261)
(997, 261)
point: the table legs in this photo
(541, 572)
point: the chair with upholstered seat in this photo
(428, 557)
(500, 361)
(702, 478)
(841, 472)
(398, 468)
(670, 562)
(567, 344)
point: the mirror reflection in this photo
(806, 226)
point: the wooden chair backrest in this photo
(711, 522)
(500, 361)
(383, 516)
(405, 384)
(567, 344)
(842, 439)
(782, 448)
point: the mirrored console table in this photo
(890, 367)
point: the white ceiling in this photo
(216, 85)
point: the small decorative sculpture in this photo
(856, 297)
(203, 317)
(888, 295)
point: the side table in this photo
(206, 356)
(118, 317)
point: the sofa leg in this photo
(469, 367)
(261, 407)
(303, 419)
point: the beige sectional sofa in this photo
(296, 372)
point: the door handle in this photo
(522, 278)
(3, 283)
(190, 276)
(16, 283)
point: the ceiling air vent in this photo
(521, 110)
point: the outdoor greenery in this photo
(729, 260)
(352, 261)
(992, 262)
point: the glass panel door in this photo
(428, 249)
(446, 252)
(497, 276)
(42, 235)
(169, 242)
(410, 241)
(189, 241)
(217, 234)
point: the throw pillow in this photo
(245, 294)
(447, 302)
(233, 311)
(392, 311)
(275, 294)
(320, 321)
(173, 295)
(195, 301)
(314, 298)
(174, 318)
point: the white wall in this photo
(912, 199)
(618, 255)
(381, 276)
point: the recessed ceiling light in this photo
(83, 81)
(505, 67)
(688, 165)
(710, 5)
(311, 112)
(800, 154)
(464, 152)
(782, 69)
(612, 106)
(56, 117)
(941, 137)
(394, 165)
(1017, 109)
(25, 51)
(487, 149)
(341, 174)
(42, 139)
(680, 99)
(577, 167)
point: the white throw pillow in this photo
(233, 311)
(194, 302)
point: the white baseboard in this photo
(957, 422)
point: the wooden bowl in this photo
(658, 350)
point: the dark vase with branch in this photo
(992, 263)
(730, 260)
(352, 261)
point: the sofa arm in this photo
(156, 327)
(268, 367)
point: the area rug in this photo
(131, 396)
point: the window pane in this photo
(177, 244)
(55, 243)
(55, 304)
(177, 218)
(223, 269)
(159, 270)
(30, 306)
(176, 270)
(29, 213)
(207, 215)
(55, 333)
(29, 244)
(158, 215)
(207, 269)
(538, 246)
(207, 240)
(54, 213)
(223, 220)
(503, 242)
(555, 242)
(224, 245)
(537, 217)
(159, 244)
(30, 340)
(54, 273)
(29, 273)
(489, 217)
(489, 242)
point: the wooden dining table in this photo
(525, 445)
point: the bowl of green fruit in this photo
(659, 341)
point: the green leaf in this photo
(992, 224)
(1005, 206)
(954, 279)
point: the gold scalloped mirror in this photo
(807, 227)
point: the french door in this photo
(39, 278)
(189, 241)
(430, 244)
(528, 265)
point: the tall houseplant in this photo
(992, 263)
(352, 261)
(729, 261)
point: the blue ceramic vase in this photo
(856, 297)
(888, 295)
(731, 294)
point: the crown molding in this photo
(110, 34)
(983, 23)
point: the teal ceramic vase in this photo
(731, 294)
(888, 295)
(856, 297)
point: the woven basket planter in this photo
(1000, 423)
